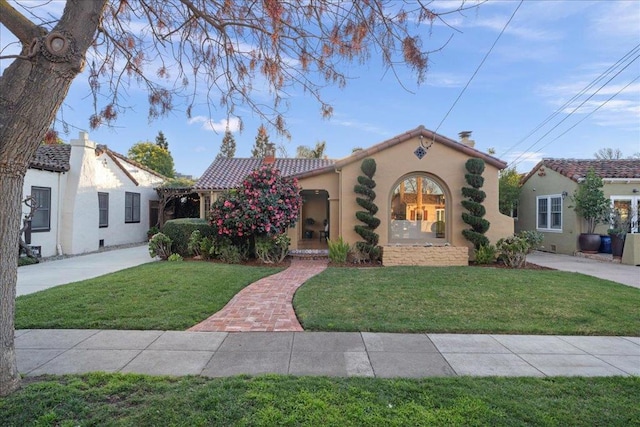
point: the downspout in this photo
(59, 218)
(340, 203)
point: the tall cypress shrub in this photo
(475, 196)
(364, 188)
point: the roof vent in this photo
(464, 138)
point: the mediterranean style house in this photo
(545, 200)
(88, 197)
(418, 179)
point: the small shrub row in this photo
(511, 250)
(180, 230)
(27, 260)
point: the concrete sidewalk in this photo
(217, 354)
(626, 274)
(47, 274)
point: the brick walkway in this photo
(266, 304)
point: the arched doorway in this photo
(315, 212)
(418, 210)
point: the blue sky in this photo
(550, 51)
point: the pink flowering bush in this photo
(266, 204)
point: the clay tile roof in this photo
(226, 173)
(54, 158)
(576, 169)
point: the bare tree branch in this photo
(18, 24)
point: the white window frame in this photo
(635, 211)
(549, 228)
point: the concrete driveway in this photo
(47, 274)
(621, 273)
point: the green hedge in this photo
(179, 231)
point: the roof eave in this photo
(425, 133)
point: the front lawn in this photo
(466, 300)
(135, 400)
(176, 296)
(159, 295)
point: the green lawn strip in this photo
(116, 399)
(466, 300)
(160, 295)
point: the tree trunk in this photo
(11, 190)
(31, 91)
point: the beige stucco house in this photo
(545, 201)
(418, 179)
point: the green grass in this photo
(176, 296)
(466, 300)
(135, 400)
(159, 295)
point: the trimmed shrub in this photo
(533, 238)
(195, 241)
(272, 249)
(266, 203)
(160, 246)
(27, 260)
(175, 258)
(364, 188)
(338, 250)
(486, 254)
(475, 196)
(180, 230)
(513, 251)
(230, 254)
(207, 248)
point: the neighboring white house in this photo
(89, 197)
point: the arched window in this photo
(417, 211)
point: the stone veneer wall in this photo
(432, 256)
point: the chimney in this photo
(464, 138)
(270, 154)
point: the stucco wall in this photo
(112, 180)
(47, 240)
(549, 183)
(446, 166)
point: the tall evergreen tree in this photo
(161, 141)
(228, 146)
(259, 149)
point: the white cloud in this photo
(363, 126)
(220, 126)
(621, 111)
(445, 80)
(525, 161)
(617, 19)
